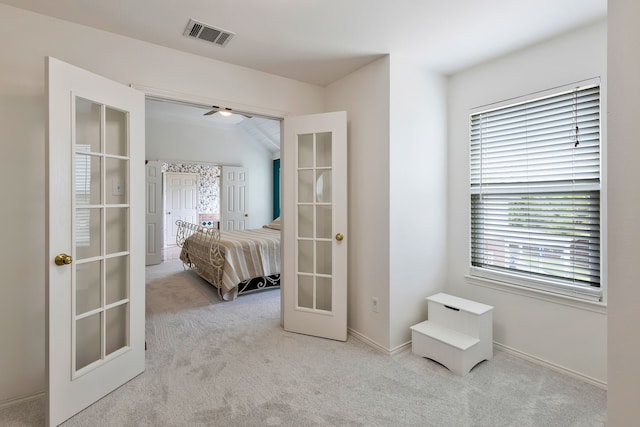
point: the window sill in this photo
(594, 306)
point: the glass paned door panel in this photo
(323, 257)
(323, 186)
(323, 293)
(324, 226)
(101, 249)
(116, 279)
(305, 256)
(305, 221)
(88, 340)
(88, 286)
(305, 151)
(305, 291)
(314, 225)
(88, 232)
(116, 328)
(116, 132)
(323, 149)
(88, 125)
(87, 177)
(116, 228)
(305, 186)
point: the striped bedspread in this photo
(248, 254)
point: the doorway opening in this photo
(188, 137)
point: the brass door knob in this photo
(339, 237)
(63, 259)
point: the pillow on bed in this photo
(275, 224)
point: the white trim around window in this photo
(535, 184)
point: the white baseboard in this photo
(22, 399)
(379, 347)
(368, 341)
(401, 348)
(550, 365)
(497, 346)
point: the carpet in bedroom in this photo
(230, 364)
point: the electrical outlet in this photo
(374, 304)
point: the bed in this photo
(235, 262)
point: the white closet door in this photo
(234, 211)
(181, 202)
(153, 213)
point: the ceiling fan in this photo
(225, 112)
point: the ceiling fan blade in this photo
(215, 110)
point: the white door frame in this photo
(195, 100)
(190, 99)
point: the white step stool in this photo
(458, 334)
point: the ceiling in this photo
(320, 41)
(264, 131)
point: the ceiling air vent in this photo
(208, 33)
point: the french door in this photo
(94, 265)
(314, 280)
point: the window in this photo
(535, 193)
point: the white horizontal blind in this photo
(82, 172)
(535, 191)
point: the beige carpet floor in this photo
(230, 364)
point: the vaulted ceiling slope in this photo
(320, 41)
(265, 132)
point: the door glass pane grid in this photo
(314, 292)
(116, 331)
(87, 173)
(305, 292)
(116, 132)
(314, 223)
(100, 289)
(116, 279)
(88, 114)
(88, 348)
(88, 289)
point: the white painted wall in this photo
(572, 337)
(25, 39)
(364, 94)
(178, 141)
(418, 198)
(624, 204)
(397, 195)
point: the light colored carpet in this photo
(230, 364)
